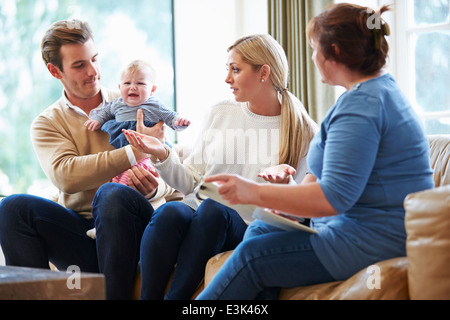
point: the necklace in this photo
(356, 86)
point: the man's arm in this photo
(65, 164)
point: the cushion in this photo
(428, 243)
(393, 284)
(440, 158)
(388, 282)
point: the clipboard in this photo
(247, 212)
(209, 190)
(281, 220)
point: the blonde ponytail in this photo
(297, 130)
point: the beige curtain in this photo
(287, 24)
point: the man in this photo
(33, 230)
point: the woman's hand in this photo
(147, 140)
(278, 174)
(143, 181)
(146, 144)
(235, 189)
(156, 131)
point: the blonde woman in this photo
(266, 126)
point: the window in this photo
(419, 56)
(122, 31)
(204, 29)
(423, 59)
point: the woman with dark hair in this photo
(370, 153)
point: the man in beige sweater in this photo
(33, 230)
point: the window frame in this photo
(405, 32)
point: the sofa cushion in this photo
(428, 243)
(389, 282)
(440, 158)
(214, 264)
(393, 284)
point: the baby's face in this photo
(136, 88)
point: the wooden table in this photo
(17, 283)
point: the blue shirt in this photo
(370, 153)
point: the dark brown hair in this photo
(358, 33)
(60, 33)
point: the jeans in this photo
(268, 259)
(178, 235)
(34, 231)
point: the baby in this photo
(136, 90)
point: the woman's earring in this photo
(262, 80)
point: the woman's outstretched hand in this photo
(147, 140)
(278, 174)
(156, 131)
(146, 144)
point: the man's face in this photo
(81, 70)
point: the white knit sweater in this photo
(233, 140)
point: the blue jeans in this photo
(178, 235)
(34, 231)
(268, 259)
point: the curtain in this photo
(287, 24)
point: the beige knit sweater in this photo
(78, 161)
(233, 140)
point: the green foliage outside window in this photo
(122, 30)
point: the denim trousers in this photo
(179, 235)
(34, 231)
(268, 259)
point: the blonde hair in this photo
(139, 65)
(297, 127)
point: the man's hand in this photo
(156, 131)
(143, 181)
(147, 140)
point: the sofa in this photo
(423, 274)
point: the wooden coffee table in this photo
(17, 283)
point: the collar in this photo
(78, 109)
